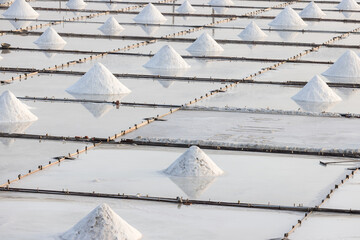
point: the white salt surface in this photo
(76, 4)
(205, 44)
(312, 10)
(111, 27)
(24, 217)
(186, 7)
(316, 90)
(98, 80)
(150, 14)
(193, 163)
(50, 38)
(272, 130)
(348, 5)
(252, 32)
(288, 18)
(167, 58)
(20, 9)
(139, 170)
(348, 66)
(221, 3)
(320, 226)
(102, 223)
(12, 110)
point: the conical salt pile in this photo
(101, 224)
(204, 44)
(12, 110)
(312, 10)
(76, 4)
(316, 90)
(20, 9)
(221, 3)
(287, 18)
(150, 14)
(348, 5)
(193, 163)
(98, 80)
(348, 65)
(50, 37)
(252, 32)
(185, 7)
(167, 58)
(111, 26)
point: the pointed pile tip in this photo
(150, 15)
(252, 32)
(98, 80)
(21, 9)
(50, 37)
(347, 66)
(287, 18)
(348, 5)
(316, 90)
(102, 223)
(167, 58)
(312, 10)
(222, 3)
(76, 4)
(193, 163)
(186, 7)
(12, 110)
(204, 44)
(111, 26)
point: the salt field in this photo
(179, 119)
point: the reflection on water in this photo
(20, 24)
(193, 187)
(315, 106)
(168, 72)
(166, 83)
(13, 128)
(51, 46)
(149, 29)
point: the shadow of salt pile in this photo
(98, 110)
(193, 187)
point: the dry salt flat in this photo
(99, 75)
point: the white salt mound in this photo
(193, 163)
(150, 14)
(167, 58)
(312, 10)
(111, 26)
(287, 18)
(74, 4)
(185, 7)
(204, 44)
(50, 37)
(12, 110)
(348, 5)
(348, 65)
(98, 80)
(20, 9)
(316, 90)
(102, 224)
(252, 32)
(221, 3)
